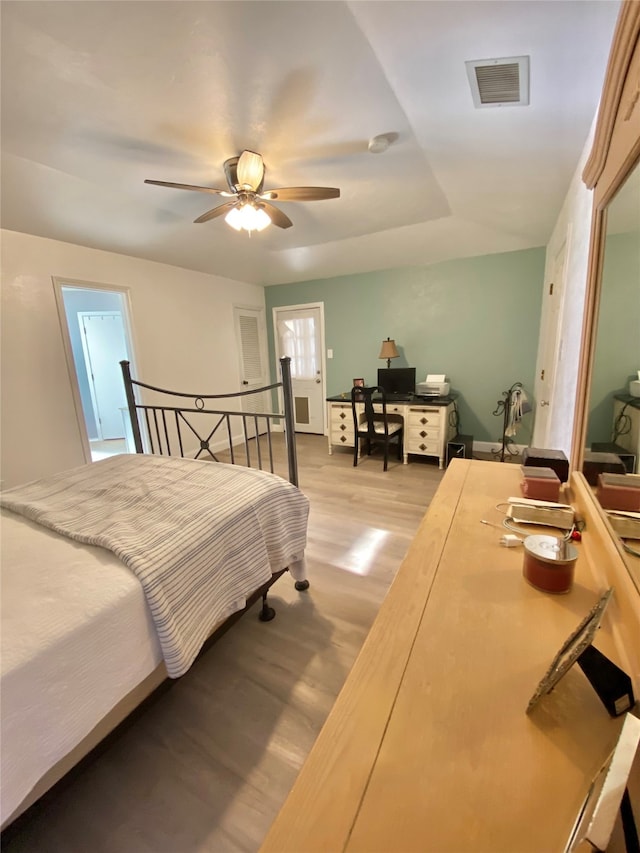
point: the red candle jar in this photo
(549, 563)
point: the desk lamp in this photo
(389, 350)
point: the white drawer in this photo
(420, 446)
(341, 414)
(391, 409)
(424, 419)
(419, 434)
(344, 439)
(342, 427)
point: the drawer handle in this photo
(423, 447)
(424, 420)
(342, 427)
(343, 438)
(342, 415)
(423, 434)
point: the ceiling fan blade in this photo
(216, 211)
(301, 193)
(250, 171)
(277, 216)
(187, 187)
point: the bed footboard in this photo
(174, 423)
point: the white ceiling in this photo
(97, 96)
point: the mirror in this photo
(613, 419)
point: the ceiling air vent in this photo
(499, 82)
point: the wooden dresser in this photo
(428, 746)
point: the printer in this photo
(435, 385)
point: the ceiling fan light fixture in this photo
(250, 171)
(247, 217)
(251, 209)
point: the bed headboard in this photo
(168, 423)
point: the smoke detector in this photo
(379, 144)
(499, 82)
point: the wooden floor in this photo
(207, 766)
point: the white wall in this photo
(574, 226)
(183, 336)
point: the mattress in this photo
(110, 569)
(199, 537)
(77, 637)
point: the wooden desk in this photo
(624, 405)
(428, 424)
(428, 747)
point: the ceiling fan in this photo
(251, 208)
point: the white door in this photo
(104, 346)
(299, 334)
(251, 337)
(550, 348)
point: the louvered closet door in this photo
(251, 336)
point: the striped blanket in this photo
(199, 536)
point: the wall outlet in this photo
(329, 353)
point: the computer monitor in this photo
(397, 380)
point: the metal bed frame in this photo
(166, 425)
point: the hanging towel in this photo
(518, 406)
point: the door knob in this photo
(544, 402)
(318, 381)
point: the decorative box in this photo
(540, 484)
(619, 491)
(541, 457)
(601, 463)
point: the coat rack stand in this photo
(503, 409)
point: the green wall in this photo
(617, 355)
(475, 319)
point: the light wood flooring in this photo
(108, 447)
(208, 764)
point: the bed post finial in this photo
(289, 420)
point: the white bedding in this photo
(77, 636)
(197, 535)
(79, 631)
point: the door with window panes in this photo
(298, 334)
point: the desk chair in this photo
(377, 428)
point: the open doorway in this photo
(96, 332)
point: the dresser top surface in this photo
(430, 734)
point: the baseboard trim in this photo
(495, 447)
